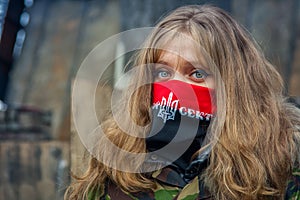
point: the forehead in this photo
(182, 47)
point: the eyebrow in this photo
(163, 62)
(193, 64)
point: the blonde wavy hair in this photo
(257, 144)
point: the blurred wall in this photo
(59, 36)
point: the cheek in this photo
(209, 82)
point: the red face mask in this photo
(190, 100)
(181, 115)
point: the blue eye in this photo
(199, 75)
(163, 74)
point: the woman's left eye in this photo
(199, 74)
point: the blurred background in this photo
(43, 43)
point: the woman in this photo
(238, 136)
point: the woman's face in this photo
(180, 61)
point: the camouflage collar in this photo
(170, 176)
(174, 175)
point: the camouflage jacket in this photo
(171, 186)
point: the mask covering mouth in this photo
(181, 114)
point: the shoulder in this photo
(293, 188)
(166, 189)
(113, 192)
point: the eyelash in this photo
(202, 72)
(161, 70)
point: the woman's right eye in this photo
(162, 74)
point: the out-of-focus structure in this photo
(42, 46)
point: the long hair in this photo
(255, 135)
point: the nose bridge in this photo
(178, 64)
(178, 76)
(178, 68)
